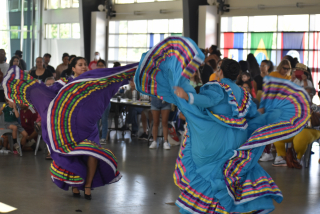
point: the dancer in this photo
(70, 110)
(217, 169)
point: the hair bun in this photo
(230, 69)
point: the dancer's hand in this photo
(261, 110)
(181, 93)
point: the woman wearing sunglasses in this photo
(283, 70)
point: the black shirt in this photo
(23, 64)
(259, 81)
(205, 73)
(51, 69)
(66, 73)
(43, 77)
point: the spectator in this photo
(3, 71)
(49, 81)
(245, 76)
(63, 66)
(253, 65)
(293, 61)
(205, 72)
(265, 68)
(195, 81)
(11, 116)
(116, 64)
(213, 54)
(300, 142)
(40, 73)
(215, 74)
(93, 64)
(300, 76)
(23, 64)
(104, 118)
(121, 91)
(283, 70)
(159, 106)
(14, 61)
(247, 85)
(28, 117)
(68, 72)
(134, 111)
(46, 60)
(102, 64)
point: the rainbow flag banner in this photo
(233, 44)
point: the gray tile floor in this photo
(146, 187)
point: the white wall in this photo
(149, 10)
(56, 47)
(277, 10)
(207, 30)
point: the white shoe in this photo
(266, 157)
(153, 145)
(3, 148)
(103, 141)
(166, 145)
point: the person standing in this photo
(3, 71)
(23, 64)
(46, 60)
(93, 64)
(63, 66)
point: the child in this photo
(11, 116)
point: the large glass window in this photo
(17, 36)
(58, 4)
(63, 31)
(137, 1)
(128, 40)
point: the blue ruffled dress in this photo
(217, 168)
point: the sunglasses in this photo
(286, 68)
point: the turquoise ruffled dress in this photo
(217, 168)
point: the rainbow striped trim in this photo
(61, 174)
(275, 88)
(233, 122)
(15, 85)
(179, 173)
(245, 103)
(249, 190)
(179, 47)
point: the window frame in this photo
(58, 31)
(48, 5)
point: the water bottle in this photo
(134, 95)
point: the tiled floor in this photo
(146, 187)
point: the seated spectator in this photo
(93, 64)
(247, 85)
(63, 66)
(28, 117)
(300, 76)
(101, 64)
(49, 81)
(14, 61)
(11, 116)
(40, 73)
(134, 111)
(68, 72)
(46, 60)
(300, 141)
(215, 74)
(283, 70)
(3, 71)
(265, 68)
(116, 64)
(22, 63)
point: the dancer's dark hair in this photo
(75, 60)
(230, 69)
(253, 65)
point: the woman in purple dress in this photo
(70, 110)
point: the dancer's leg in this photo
(165, 116)
(91, 167)
(155, 116)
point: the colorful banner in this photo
(261, 45)
(293, 44)
(233, 41)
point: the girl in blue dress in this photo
(217, 168)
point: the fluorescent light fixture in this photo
(4, 208)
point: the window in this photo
(62, 4)
(63, 31)
(128, 40)
(137, 1)
(273, 37)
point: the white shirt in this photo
(4, 68)
(301, 82)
